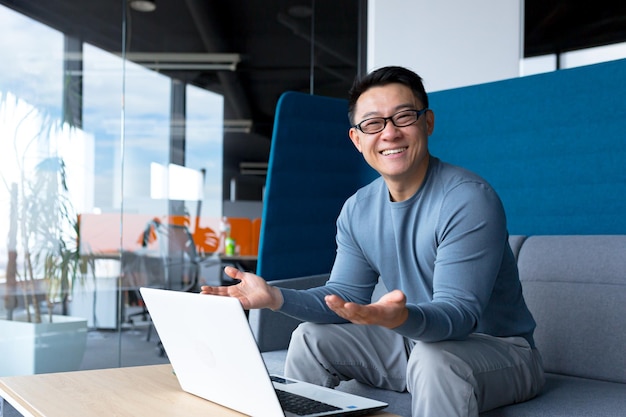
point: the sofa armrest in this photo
(516, 242)
(273, 330)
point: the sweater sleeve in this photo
(471, 235)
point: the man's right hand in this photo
(252, 291)
(389, 311)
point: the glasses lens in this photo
(373, 125)
(404, 118)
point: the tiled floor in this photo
(129, 347)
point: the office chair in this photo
(178, 255)
(174, 265)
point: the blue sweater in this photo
(446, 248)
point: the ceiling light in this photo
(237, 126)
(186, 61)
(143, 5)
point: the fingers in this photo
(334, 301)
(350, 311)
(252, 291)
(207, 289)
(390, 311)
(223, 290)
(233, 272)
(395, 296)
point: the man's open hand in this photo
(390, 311)
(252, 292)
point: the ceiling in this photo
(554, 26)
(274, 39)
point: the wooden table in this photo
(134, 391)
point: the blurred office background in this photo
(117, 117)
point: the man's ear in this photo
(430, 122)
(354, 137)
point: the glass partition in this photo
(105, 165)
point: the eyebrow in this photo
(398, 108)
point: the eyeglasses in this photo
(401, 119)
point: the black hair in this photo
(384, 76)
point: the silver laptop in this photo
(214, 355)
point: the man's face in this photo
(399, 154)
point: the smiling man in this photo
(402, 160)
(453, 328)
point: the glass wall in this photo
(105, 165)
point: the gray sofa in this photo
(576, 288)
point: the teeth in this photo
(393, 151)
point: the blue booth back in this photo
(552, 145)
(313, 168)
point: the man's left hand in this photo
(390, 311)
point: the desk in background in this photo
(243, 262)
(213, 274)
(135, 391)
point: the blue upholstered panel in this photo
(553, 146)
(313, 168)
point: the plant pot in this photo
(36, 348)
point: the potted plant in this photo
(47, 228)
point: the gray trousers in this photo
(451, 378)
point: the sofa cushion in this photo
(575, 286)
(571, 397)
(561, 396)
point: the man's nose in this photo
(389, 130)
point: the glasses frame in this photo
(418, 114)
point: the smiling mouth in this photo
(392, 151)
